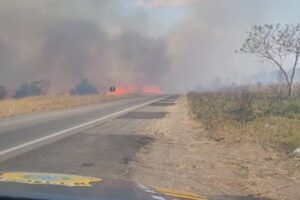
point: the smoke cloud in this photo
(202, 47)
(66, 41)
(108, 42)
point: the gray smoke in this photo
(202, 46)
(66, 41)
(107, 43)
(205, 42)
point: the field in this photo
(249, 115)
(12, 107)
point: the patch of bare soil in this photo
(181, 157)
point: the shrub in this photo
(3, 92)
(257, 115)
(33, 88)
(84, 88)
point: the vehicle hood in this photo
(50, 186)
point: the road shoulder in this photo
(181, 157)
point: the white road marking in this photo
(6, 151)
(157, 197)
(142, 186)
(150, 191)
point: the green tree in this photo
(33, 88)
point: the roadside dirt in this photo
(181, 157)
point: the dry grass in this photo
(240, 116)
(12, 107)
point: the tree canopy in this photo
(277, 44)
(84, 88)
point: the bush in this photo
(84, 88)
(33, 88)
(3, 92)
(242, 110)
(253, 115)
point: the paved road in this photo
(102, 150)
(23, 133)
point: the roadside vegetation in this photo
(269, 114)
(12, 107)
(3, 92)
(84, 88)
(256, 114)
(34, 96)
(33, 88)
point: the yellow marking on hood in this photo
(47, 179)
(180, 194)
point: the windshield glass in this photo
(200, 96)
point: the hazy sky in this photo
(177, 45)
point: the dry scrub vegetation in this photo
(11, 107)
(249, 114)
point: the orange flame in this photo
(120, 91)
(133, 89)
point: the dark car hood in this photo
(72, 187)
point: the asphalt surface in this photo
(29, 129)
(103, 149)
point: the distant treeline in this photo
(41, 87)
